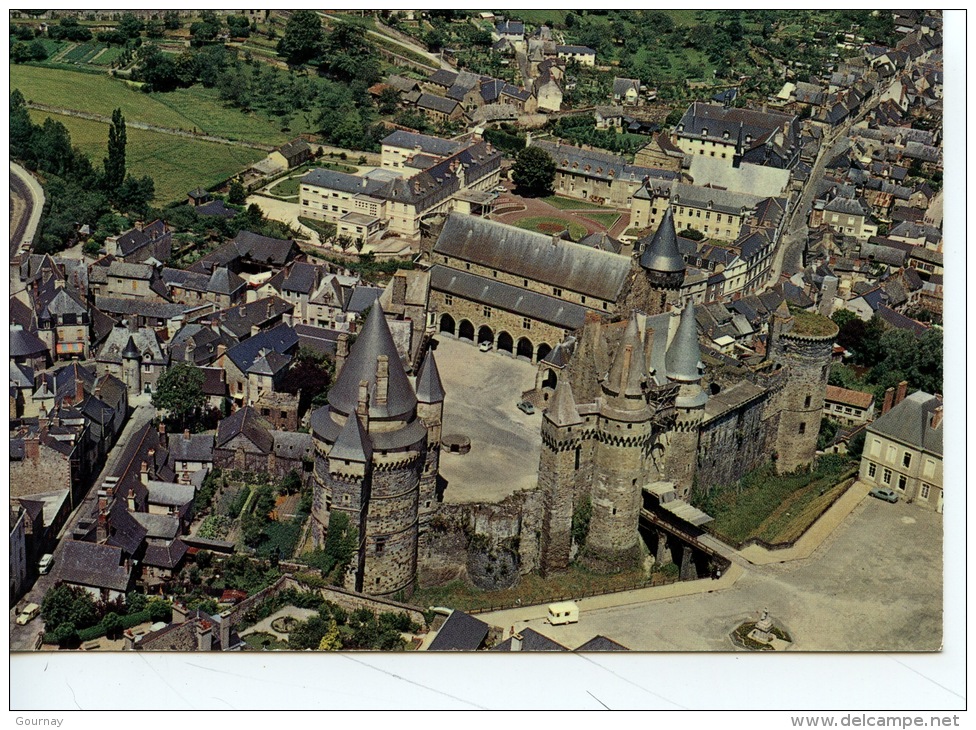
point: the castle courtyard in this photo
(483, 389)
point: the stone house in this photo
(850, 407)
(63, 324)
(134, 281)
(844, 215)
(102, 570)
(135, 356)
(247, 442)
(626, 91)
(589, 174)
(292, 154)
(440, 109)
(152, 241)
(257, 365)
(583, 55)
(903, 449)
(739, 135)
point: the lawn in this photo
(604, 219)
(176, 164)
(203, 109)
(109, 56)
(193, 108)
(548, 224)
(776, 508)
(287, 188)
(563, 203)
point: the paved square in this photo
(482, 390)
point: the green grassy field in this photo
(194, 108)
(176, 164)
(547, 224)
(604, 219)
(558, 201)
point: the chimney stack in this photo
(937, 417)
(362, 404)
(900, 393)
(382, 379)
(889, 397)
(516, 642)
(204, 635)
(342, 351)
(152, 463)
(79, 390)
(131, 500)
(186, 434)
(144, 473)
(32, 448)
(179, 612)
(162, 434)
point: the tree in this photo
(180, 391)
(171, 19)
(237, 194)
(65, 604)
(130, 26)
(112, 623)
(114, 164)
(534, 172)
(388, 101)
(331, 641)
(303, 38)
(239, 26)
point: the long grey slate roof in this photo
(89, 564)
(505, 296)
(534, 256)
(460, 632)
(374, 341)
(426, 143)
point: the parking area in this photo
(483, 389)
(875, 584)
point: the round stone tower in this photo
(802, 343)
(684, 366)
(657, 281)
(370, 449)
(559, 465)
(619, 468)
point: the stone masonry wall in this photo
(800, 401)
(390, 539)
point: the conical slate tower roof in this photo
(683, 358)
(353, 444)
(662, 254)
(562, 408)
(429, 388)
(374, 341)
(130, 349)
(628, 368)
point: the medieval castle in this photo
(633, 406)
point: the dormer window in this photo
(725, 134)
(705, 132)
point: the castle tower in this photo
(658, 278)
(130, 367)
(683, 366)
(802, 343)
(372, 470)
(430, 409)
(559, 465)
(619, 462)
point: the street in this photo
(23, 638)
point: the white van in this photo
(44, 566)
(565, 612)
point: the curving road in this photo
(21, 207)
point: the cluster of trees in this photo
(342, 53)
(71, 614)
(76, 192)
(334, 628)
(311, 372)
(891, 356)
(179, 392)
(581, 130)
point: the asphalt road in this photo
(20, 211)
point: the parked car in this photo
(526, 407)
(485, 346)
(44, 566)
(888, 495)
(31, 610)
